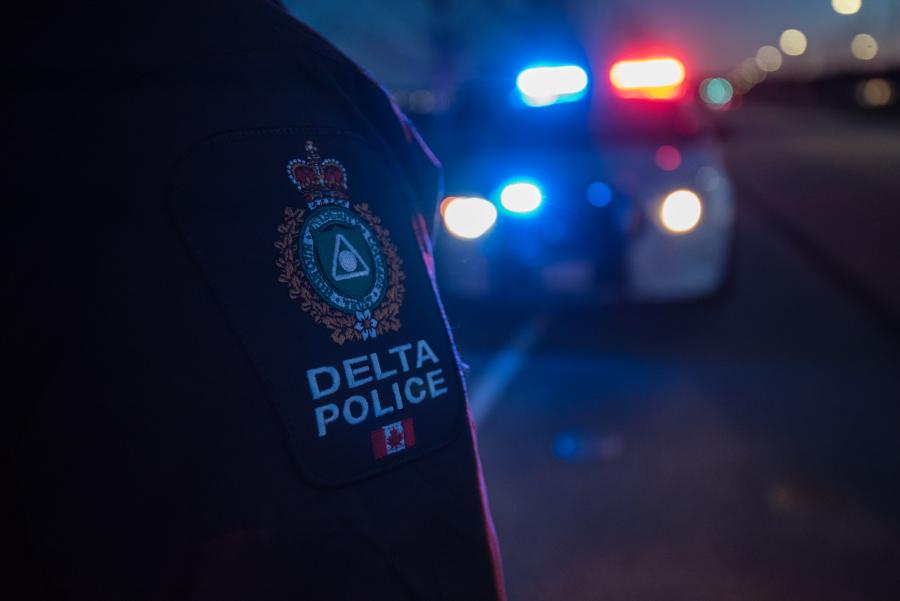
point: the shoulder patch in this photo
(329, 293)
(337, 259)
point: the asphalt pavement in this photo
(744, 447)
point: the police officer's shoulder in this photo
(372, 100)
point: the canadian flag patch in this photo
(393, 438)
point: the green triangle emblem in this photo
(347, 263)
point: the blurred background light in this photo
(846, 7)
(792, 42)
(768, 58)
(668, 158)
(521, 197)
(542, 86)
(708, 178)
(680, 212)
(751, 72)
(876, 92)
(599, 194)
(468, 217)
(716, 91)
(864, 47)
(421, 101)
(651, 78)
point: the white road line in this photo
(502, 368)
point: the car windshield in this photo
(596, 118)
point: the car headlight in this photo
(468, 217)
(680, 211)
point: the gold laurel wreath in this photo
(342, 325)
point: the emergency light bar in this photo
(659, 78)
(543, 86)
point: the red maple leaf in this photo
(395, 438)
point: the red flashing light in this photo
(654, 78)
(668, 158)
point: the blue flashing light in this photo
(521, 197)
(546, 85)
(567, 447)
(599, 194)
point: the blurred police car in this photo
(595, 178)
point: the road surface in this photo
(741, 448)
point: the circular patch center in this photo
(347, 260)
(342, 259)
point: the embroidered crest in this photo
(337, 259)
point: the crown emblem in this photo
(338, 261)
(322, 182)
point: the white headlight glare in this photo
(680, 211)
(468, 217)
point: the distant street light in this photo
(751, 71)
(768, 58)
(792, 42)
(864, 47)
(846, 7)
(876, 92)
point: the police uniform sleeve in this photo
(253, 392)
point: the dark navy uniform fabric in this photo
(231, 374)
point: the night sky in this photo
(713, 35)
